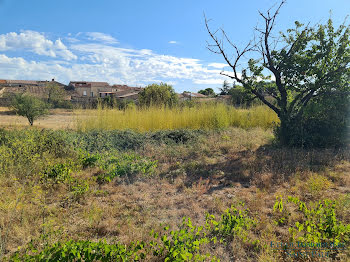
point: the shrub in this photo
(29, 106)
(81, 250)
(183, 244)
(318, 224)
(324, 123)
(233, 222)
(175, 136)
(57, 174)
(158, 95)
(125, 166)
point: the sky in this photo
(136, 42)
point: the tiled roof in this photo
(22, 82)
(197, 95)
(90, 83)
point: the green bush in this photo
(58, 173)
(126, 166)
(81, 250)
(183, 244)
(175, 136)
(233, 222)
(29, 106)
(319, 223)
(325, 123)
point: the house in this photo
(189, 96)
(91, 89)
(37, 88)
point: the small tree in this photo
(56, 96)
(305, 62)
(225, 88)
(158, 95)
(29, 106)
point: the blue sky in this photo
(134, 42)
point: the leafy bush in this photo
(82, 251)
(57, 174)
(125, 166)
(183, 244)
(158, 95)
(233, 222)
(318, 223)
(89, 160)
(325, 123)
(99, 141)
(29, 106)
(28, 152)
(177, 136)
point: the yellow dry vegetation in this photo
(203, 116)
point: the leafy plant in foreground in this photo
(183, 244)
(233, 222)
(82, 251)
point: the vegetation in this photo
(310, 64)
(158, 95)
(56, 97)
(200, 116)
(101, 195)
(207, 92)
(29, 106)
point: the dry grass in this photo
(209, 176)
(57, 119)
(203, 116)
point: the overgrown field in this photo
(168, 195)
(200, 116)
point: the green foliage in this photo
(183, 244)
(28, 152)
(29, 106)
(207, 92)
(307, 65)
(318, 222)
(233, 222)
(82, 251)
(324, 123)
(124, 104)
(158, 95)
(175, 136)
(57, 174)
(78, 189)
(89, 160)
(56, 97)
(125, 166)
(240, 96)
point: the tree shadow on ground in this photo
(267, 165)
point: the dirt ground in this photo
(57, 119)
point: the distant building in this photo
(37, 88)
(91, 89)
(189, 96)
(103, 89)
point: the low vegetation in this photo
(168, 195)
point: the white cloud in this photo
(100, 62)
(35, 42)
(101, 37)
(217, 65)
(173, 42)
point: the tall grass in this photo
(206, 116)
